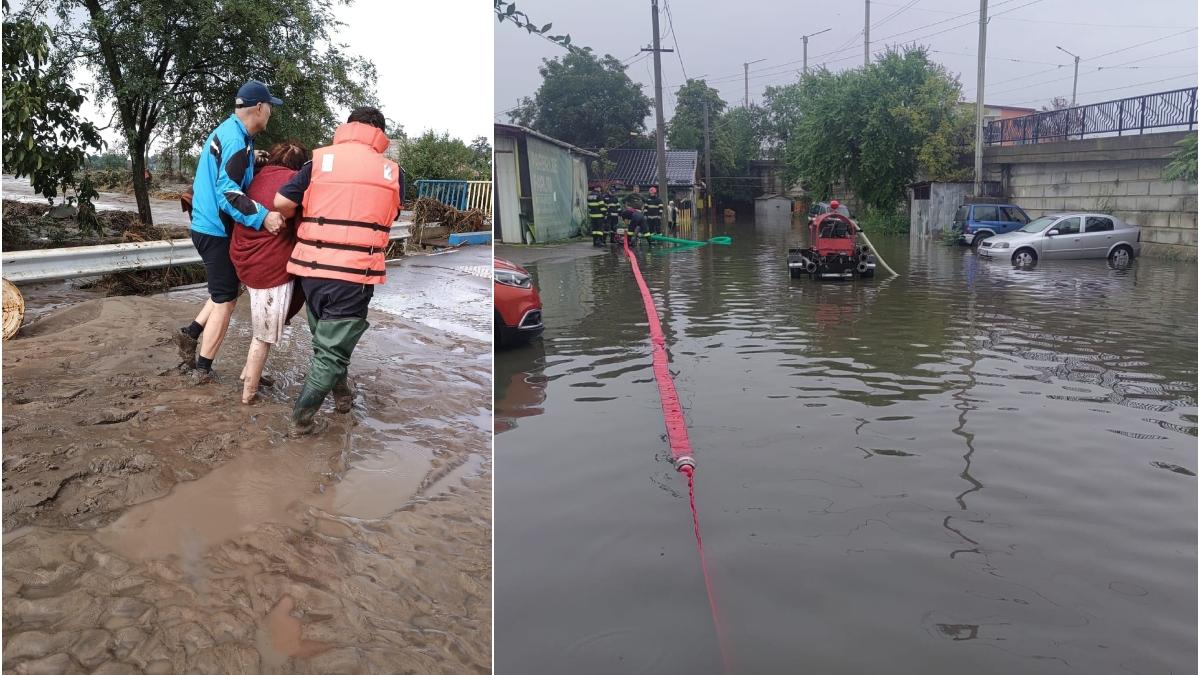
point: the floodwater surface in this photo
(967, 468)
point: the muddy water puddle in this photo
(151, 526)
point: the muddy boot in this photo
(187, 346)
(343, 395)
(303, 421)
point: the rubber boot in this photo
(343, 395)
(303, 421)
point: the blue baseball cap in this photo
(253, 93)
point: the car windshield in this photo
(1039, 224)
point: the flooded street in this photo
(152, 526)
(968, 468)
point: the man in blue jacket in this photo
(219, 200)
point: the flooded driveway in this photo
(968, 468)
(151, 526)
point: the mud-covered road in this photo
(152, 526)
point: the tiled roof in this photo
(640, 166)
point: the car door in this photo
(1013, 218)
(987, 217)
(1067, 243)
(1098, 235)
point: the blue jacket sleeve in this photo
(231, 173)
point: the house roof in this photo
(515, 129)
(640, 166)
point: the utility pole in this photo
(1075, 86)
(711, 207)
(658, 108)
(805, 39)
(867, 36)
(979, 130)
(746, 70)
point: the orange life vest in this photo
(349, 207)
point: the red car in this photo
(518, 307)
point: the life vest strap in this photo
(338, 268)
(341, 247)
(322, 220)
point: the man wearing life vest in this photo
(654, 208)
(596, 215)
(350, 194)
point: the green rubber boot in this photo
(304, 416)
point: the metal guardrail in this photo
(1137, 113)
(81, 261)
(449, 192)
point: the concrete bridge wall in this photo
(1118, 175)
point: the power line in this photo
(1140, 44)
(1096, 69)
(671, 23)
(1128, 86)
(894, 14)
(1048, 21)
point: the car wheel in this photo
(1121, 255)
(978, 240)
(1024, 257)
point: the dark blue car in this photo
(976, 222)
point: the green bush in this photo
(884, 221)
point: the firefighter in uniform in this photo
(350, 195)
(654, 210)
(597, 212)
(612, 207)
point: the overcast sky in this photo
(715, 37)
(433, 62)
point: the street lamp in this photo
(746, 67)
(805, 39)
(1075, 85)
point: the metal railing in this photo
(479, 195)
(81, 261)
(449, 192)
(1137, 113)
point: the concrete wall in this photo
(1117, 175)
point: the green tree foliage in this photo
(945, 154)
(866, 127)
(736, 140)
(686, 129)
(585, 100)
(44, 137)
(1183, 161)
(434, 156)
(175, 67)
(507, 11)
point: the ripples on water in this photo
(968, 466)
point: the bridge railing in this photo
(1137, 113)
(479, 195)
(449, 192)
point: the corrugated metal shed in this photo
(640, 166)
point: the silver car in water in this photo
(1067, 236)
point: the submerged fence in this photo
(1137, 113)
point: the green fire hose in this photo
(691, 242)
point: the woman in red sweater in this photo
(261, 258)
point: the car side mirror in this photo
(1052, 233)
